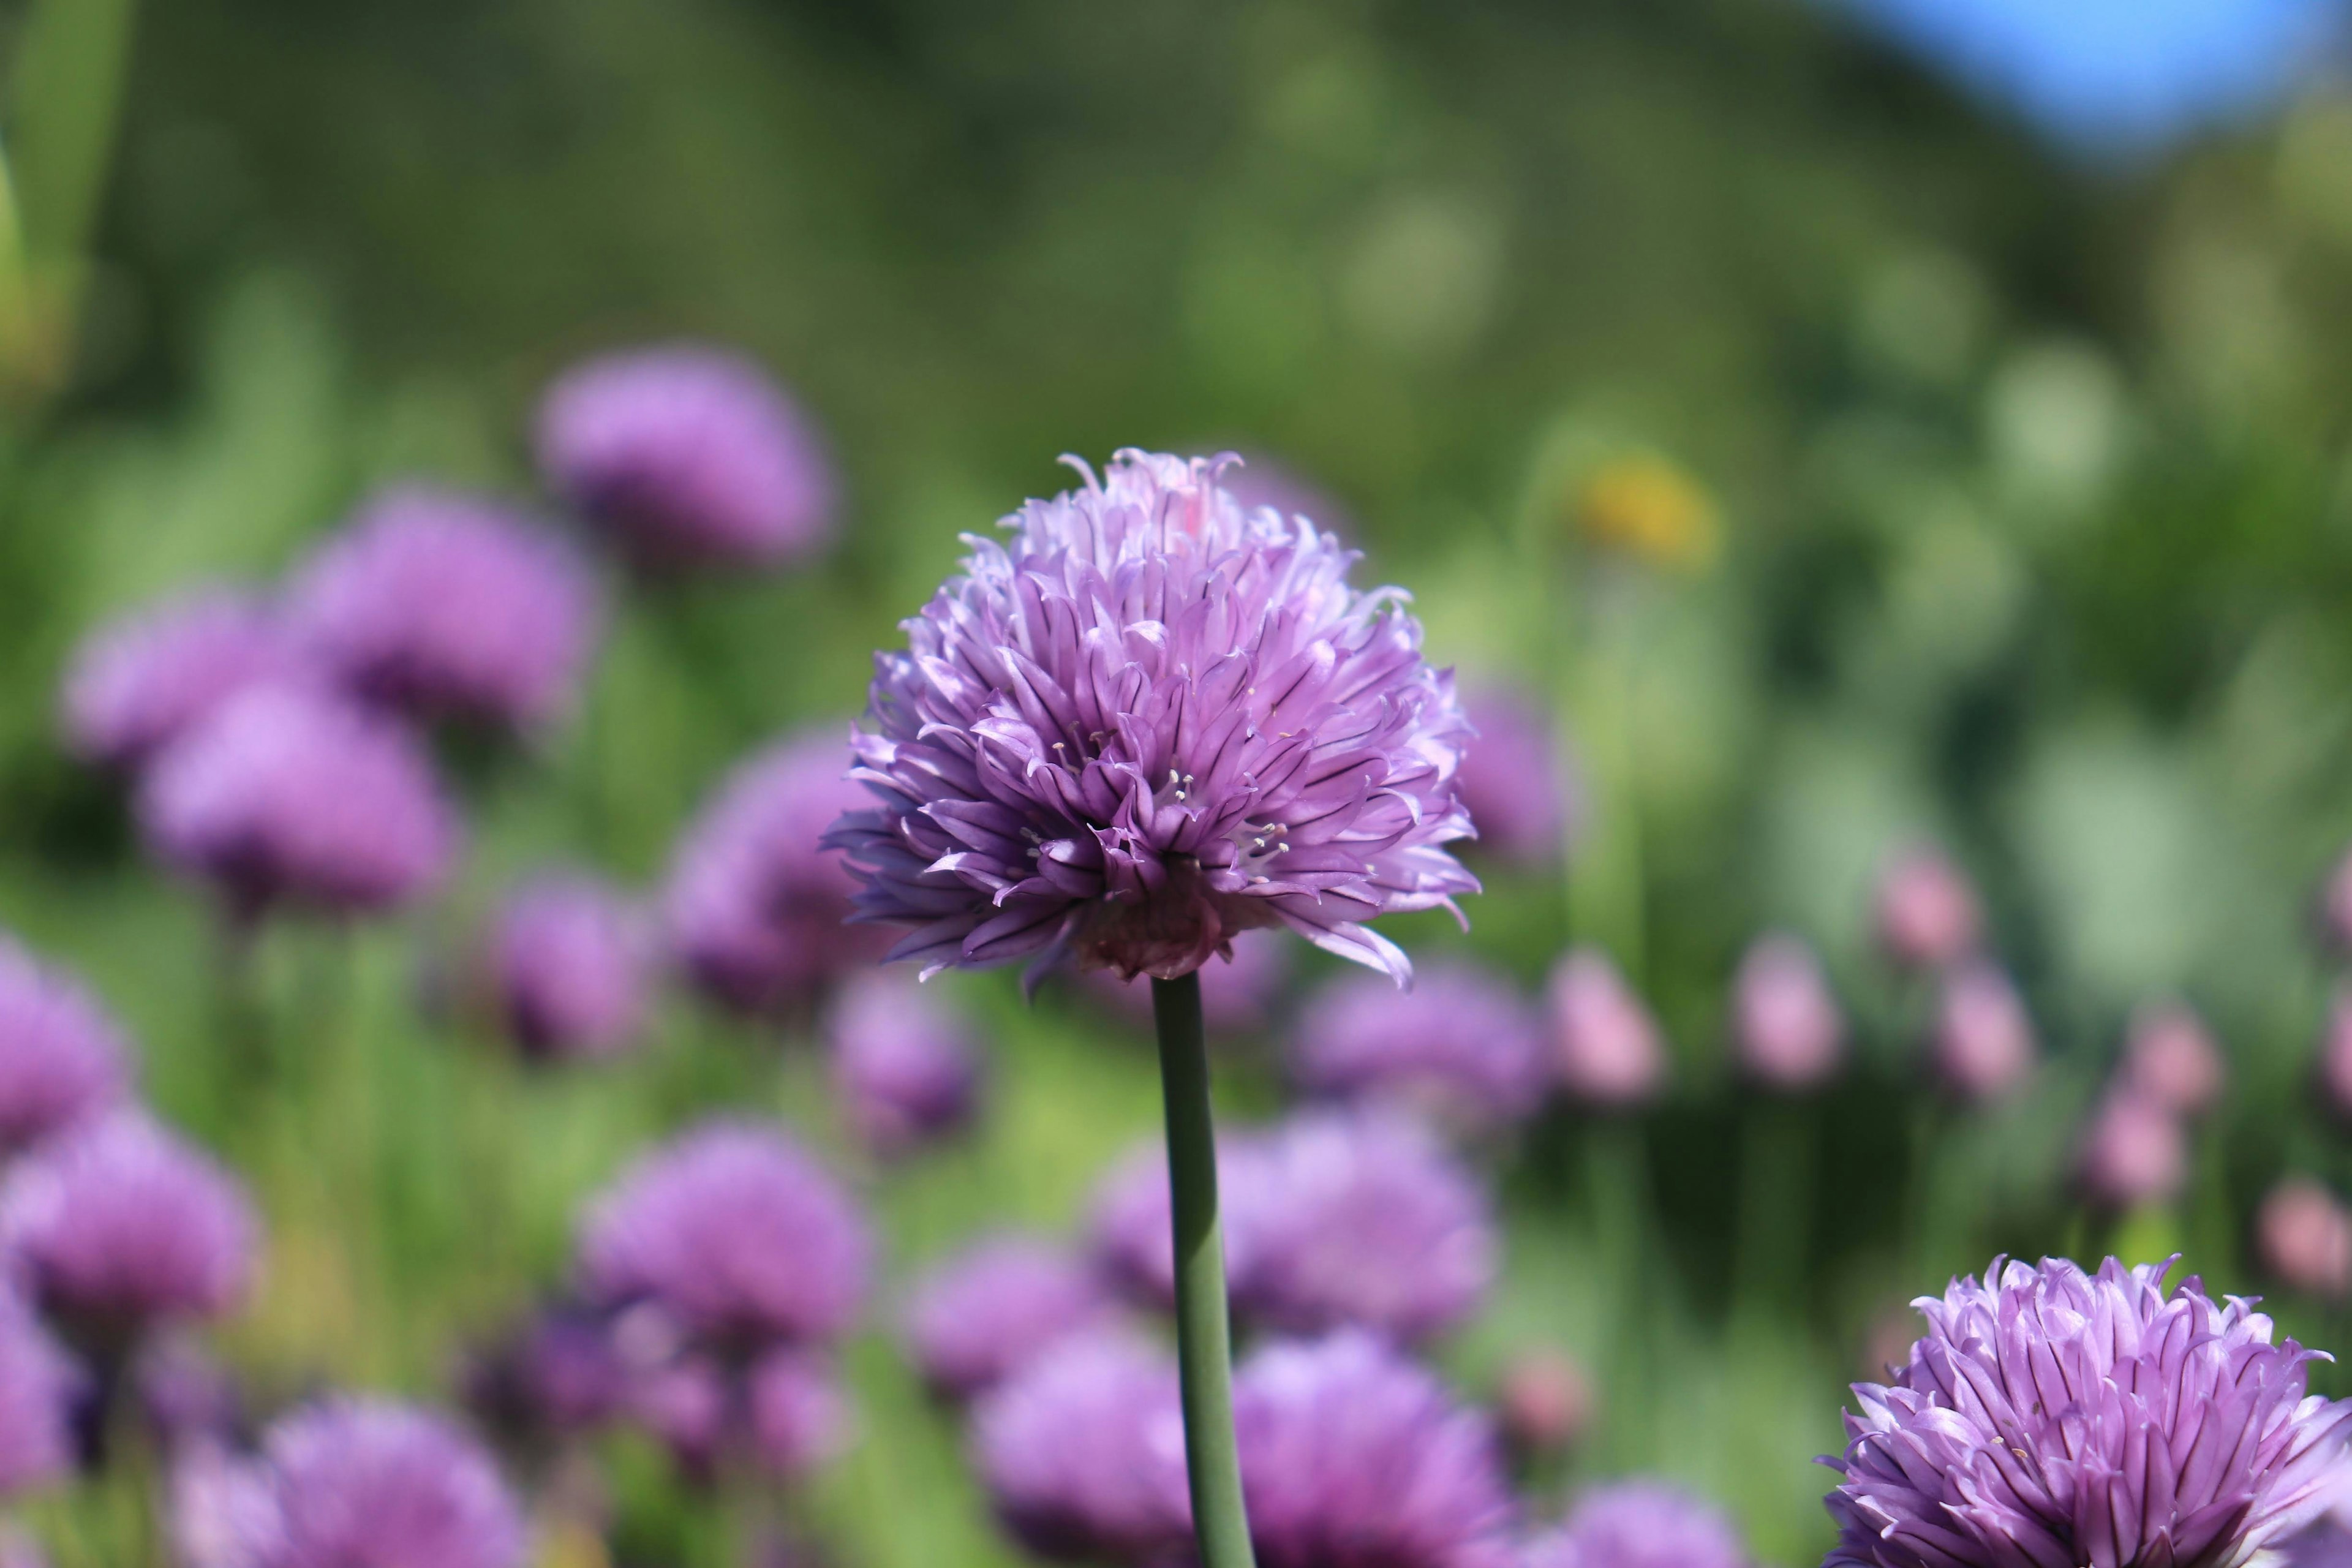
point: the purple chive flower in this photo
(2170, 1057)
(2133, 1151)
(2052, 1417)
(1128, 1233)
(61, 1057)
(686, 1404)
(904, 1067)
(735, 1230)
(38, 1387)
(687, 455)
(1785, 1024)
(1514, 783)
(2335, 1052)
(1927, 916)
(1983, 1047)
(978, 1318)
(1545, 1401)
(345, 1483)
(799, 1418)
(1640, 1525)
(135, 685)
(1238, 996)
(1463, 1044)
(118, 1225)
(1606, 1047)
(567, 964)
(1351, 1453)
(2304, 1237)
(287, 793)
(449, 606)
(1082, 1452)
(755, 906)
(186, 1397)
(1149, 720)
(558, 1373)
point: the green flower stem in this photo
(1204, 1338)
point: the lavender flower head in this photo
(136, 684)
(38, 1387)
(61, 1057)
(2133, 1151)
(1983, 1046)
(1463, 1044)
(118, 1225)
(568, 967)
(981, 1316)
(2304, 1237)
(2170, 1057)
(904, 1067)
(799, 1417)
(1082, 1452)
(738, 1232)
(1351, 1453)
(1148, 721)
(289, 794)
(446, 605)
(1640, 1525)
(347, 1483)
(1238, 995)
(1606, 1047)
(1927, 916)
(1785, 1022)
(755, 907)
(1514, 783)
(687, 455)
(2049, 1416)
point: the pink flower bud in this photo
(1785, 1024)
(1927, 916)
(1545, 1402)
(2305, 1236)
(2170, 1057)
(1984, 1041)
(1605, 1046)
(2132, 1152)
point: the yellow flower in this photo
(1651, 508)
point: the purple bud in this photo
(38, 1387)
(1517, 786)
(2132, 1152)
(979, 1316)
(1082, 1452)
(138, 683)
(2335, 1052)
(904, 1067)
(2305, 1238)
(1927, 915)
(446, 605)
(1351, 1454)
(559, 1372)
(186, 1397)
(1787, 1025)
(800, 1419)
(1237, 994)
(755, 906)
(738, 1232)
(1984, 1046)
(568, 961)
(61, 1057)
(2170, 1057)
(684, 1403)
(687, 455)
(2336, 905)
(289, 794)
(1640, 1525)
(1545, 1401)
(1461, 1045)
(1606, 1047)
(118, 1225)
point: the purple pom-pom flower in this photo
(1513, 781)
(799, 1418)
(1639, 1524)
(136, 684)
(568, 968)
(2052, 1417)
(38, 1387)
(687, 455)
(61, 1057)
(446, 604)
(904, 1067)
(979, 1316)
(1463, 1044)
(1146, 721)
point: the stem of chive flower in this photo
(1203, 1337)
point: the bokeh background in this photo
(1991, 354)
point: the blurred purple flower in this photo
(1149, 721)
(1514, 782)
(987, 1311)
(755, 907)
(557, 1373)
(137, 683)
(1082, 1452)
(1545, 1401)
(61, 1057)
(186, 1397)
(2335, 1052)
(738, 1232)
(1129, 1232)
(1463, 1044)
(2170, 1057)
(448, 604)
(1984, 1046)
(1351, 1454)
(21, 1551)
(568, 964)
(1639, 1524)
(904, 1067)
(118, 1225)
(1927, 916)
(2304, 1237)
(799, 1418)
(2133, 1151)
(1237, 996)
(687, 455)
(1606, 1047)
(347, 1483)
(285, 793)
(684, 1403)
(38, 1387)
(1786, 1025)
(2051, 1416)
